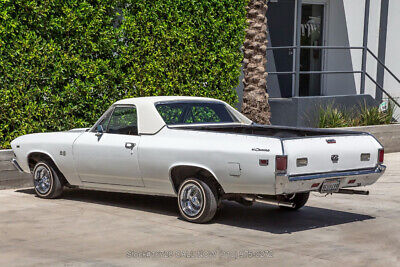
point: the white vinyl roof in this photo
(150, 121)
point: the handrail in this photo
(280, 47)
(363, 71)
(315, 47)
(331, 47)
(383, 65)
(383, 90)
(317, 72)
(281, 72)
(331, 72)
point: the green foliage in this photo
(187, 113)
(330, 117)
(62, 63)
(373, 116)
(170, 115)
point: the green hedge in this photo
(62, 63)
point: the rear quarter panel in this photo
(216, 152)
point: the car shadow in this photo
(266, 218)
(280, 221)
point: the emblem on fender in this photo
(260, 149)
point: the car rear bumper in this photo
(286, 184)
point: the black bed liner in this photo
(267, 130)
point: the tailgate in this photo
(326, 154)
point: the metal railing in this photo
(388, 70)
(296, 69)
(296, 48)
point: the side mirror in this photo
(100, 130)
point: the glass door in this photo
(281, 30)
(312, 32)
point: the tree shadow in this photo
(259, 217)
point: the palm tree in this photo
(255, 98)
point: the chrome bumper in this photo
(286, 184)
(16, 165)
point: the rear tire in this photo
(46, 181)
(197, 201)
(299, 200)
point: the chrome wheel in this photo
(191, 199)
(42, 179)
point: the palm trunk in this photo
(255, 98)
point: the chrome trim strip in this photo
(378, 169)
(16, 165)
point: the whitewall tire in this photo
(46, 181)
(197, 201)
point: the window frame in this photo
(111, 112)
(234, 118)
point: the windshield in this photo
(194, 112)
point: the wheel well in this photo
(35, 157)
(180, 173)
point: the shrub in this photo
(62, 63)
(330, 117)
(374, 116)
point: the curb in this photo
(10, 177)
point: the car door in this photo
(110, 155)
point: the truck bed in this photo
(267, 130)
(309, 150)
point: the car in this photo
(202, 151)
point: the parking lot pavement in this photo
(99, 228)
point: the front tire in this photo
(299, 200)
(197, 201)
(46, 180)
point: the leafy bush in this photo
(331, 117)
(374, 116)
(62, 63)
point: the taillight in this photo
(381, 155)
(281, 164)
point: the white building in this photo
(334, 37)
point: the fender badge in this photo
(260, 149)
(331, 141)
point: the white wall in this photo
(349, 31)
(345, 24)
(338, 34)
(354, 10)
(393, 48)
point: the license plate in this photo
(330, 186)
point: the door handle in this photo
(129, 145)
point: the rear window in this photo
(194, 112)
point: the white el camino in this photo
(202, 151)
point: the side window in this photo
(171, 114)
(123, 121)
(202, 114)
(104, 122)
